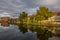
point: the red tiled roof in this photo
(55, 13)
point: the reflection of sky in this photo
(9, 27)
(13, 7)
(12, 33)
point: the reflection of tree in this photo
(31, 28)
(42, 34)
(22, 28)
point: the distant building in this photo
(55, 16)
(4, 19)
(14, 20)
(0, 20)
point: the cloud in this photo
(4, 14)
(51, 4)
(13, 7)
(31, 10)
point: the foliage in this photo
(23, 27)
(43, 13)
(23, 16)
(42, 34)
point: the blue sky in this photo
(12, 8)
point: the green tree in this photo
(43, 13)
(23, 20)
(23, 17)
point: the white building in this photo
(55, 16)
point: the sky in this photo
(12, 8)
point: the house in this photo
(4, 19)
(55, 16)
(14, 20)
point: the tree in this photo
(23, 17)
(43, 13)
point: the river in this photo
(12, 32)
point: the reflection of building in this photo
(5, 24)
(57, 30)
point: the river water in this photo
(12, 32)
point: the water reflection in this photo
(42, 34)
(23, 32)
(4, 24)
(12, 32)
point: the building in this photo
(14, 21)
(4, 19)
(55, 16)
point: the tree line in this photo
(42, 13)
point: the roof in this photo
(55, 13)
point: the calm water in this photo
(12, 32)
